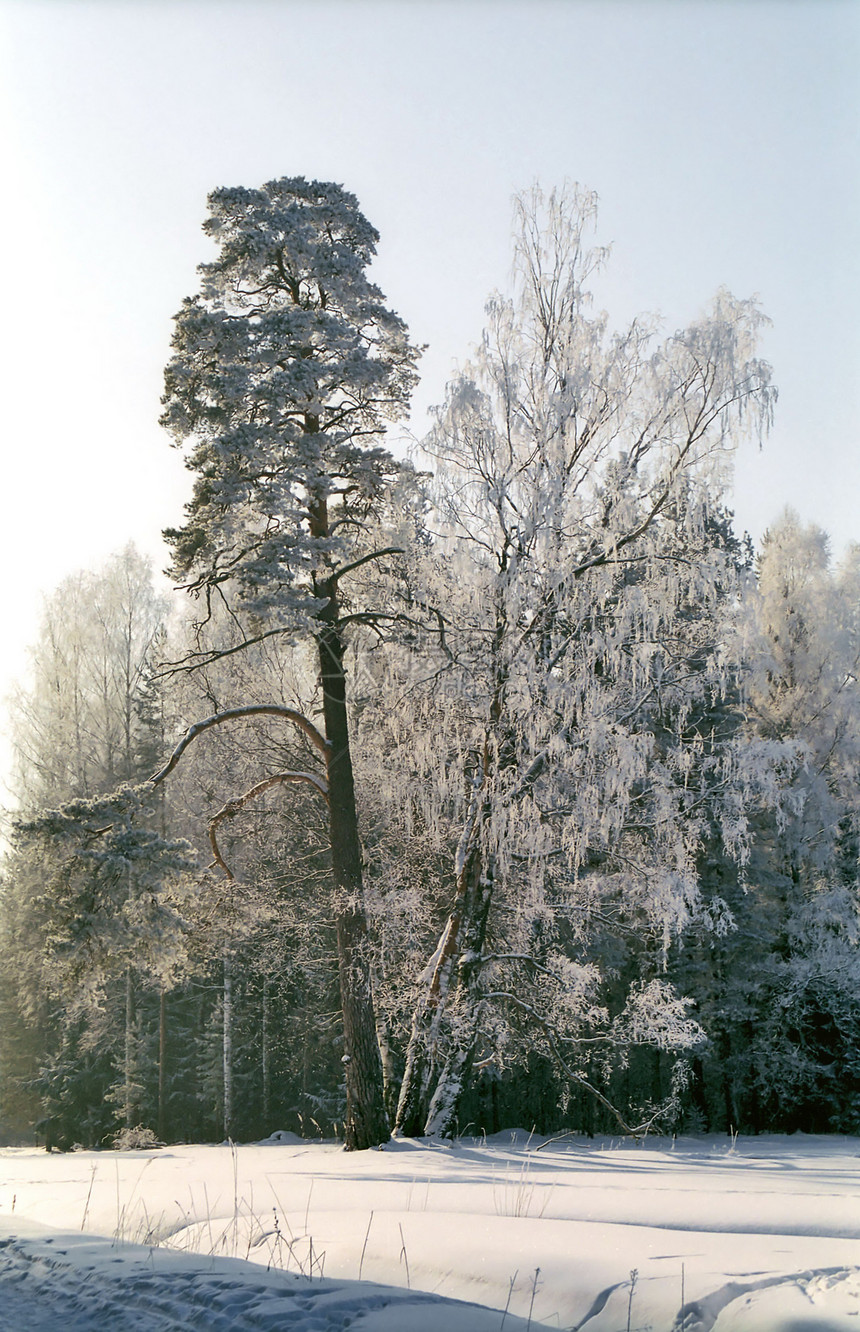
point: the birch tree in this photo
(286, 368)
(77, 726)
(573, 527)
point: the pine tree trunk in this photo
(366, 1123)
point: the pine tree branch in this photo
(364, 559)
(236, 714)
(193, 661)
(238, 803)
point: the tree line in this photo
(500, 784)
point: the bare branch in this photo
(364, 559)
(236, 714)
(233, 807)
(195, 660)
(574, 1075)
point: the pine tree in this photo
(286, 367)
(785, 1031)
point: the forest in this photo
(494, 782)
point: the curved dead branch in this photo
(234, 806)
(234, 714)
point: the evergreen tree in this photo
(286, 367)
(784, 1031)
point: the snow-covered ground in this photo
(759, 1235)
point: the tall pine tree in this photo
(286, 367)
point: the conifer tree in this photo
(785, 1032)
(286, 367)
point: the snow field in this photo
(759, 1236)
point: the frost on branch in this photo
(114, 890)
(581, 558)
(655, 1015)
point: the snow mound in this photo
(826, 1301)
(515, 1137)
(83, 1284)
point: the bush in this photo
(137, 1139)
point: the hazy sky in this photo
(722, 139)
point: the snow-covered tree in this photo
(84, 921)
(801, 649)
(77, 725)
(286, 368)
(784, 1031)
(598, 760)
(575, 577)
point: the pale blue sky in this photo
(722, 139)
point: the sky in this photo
(721, 138)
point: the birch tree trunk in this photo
(161, 1123)
(421, 1052)
(430, 1096)
(465, 1004)
(264, 1053)
(227, 1045)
